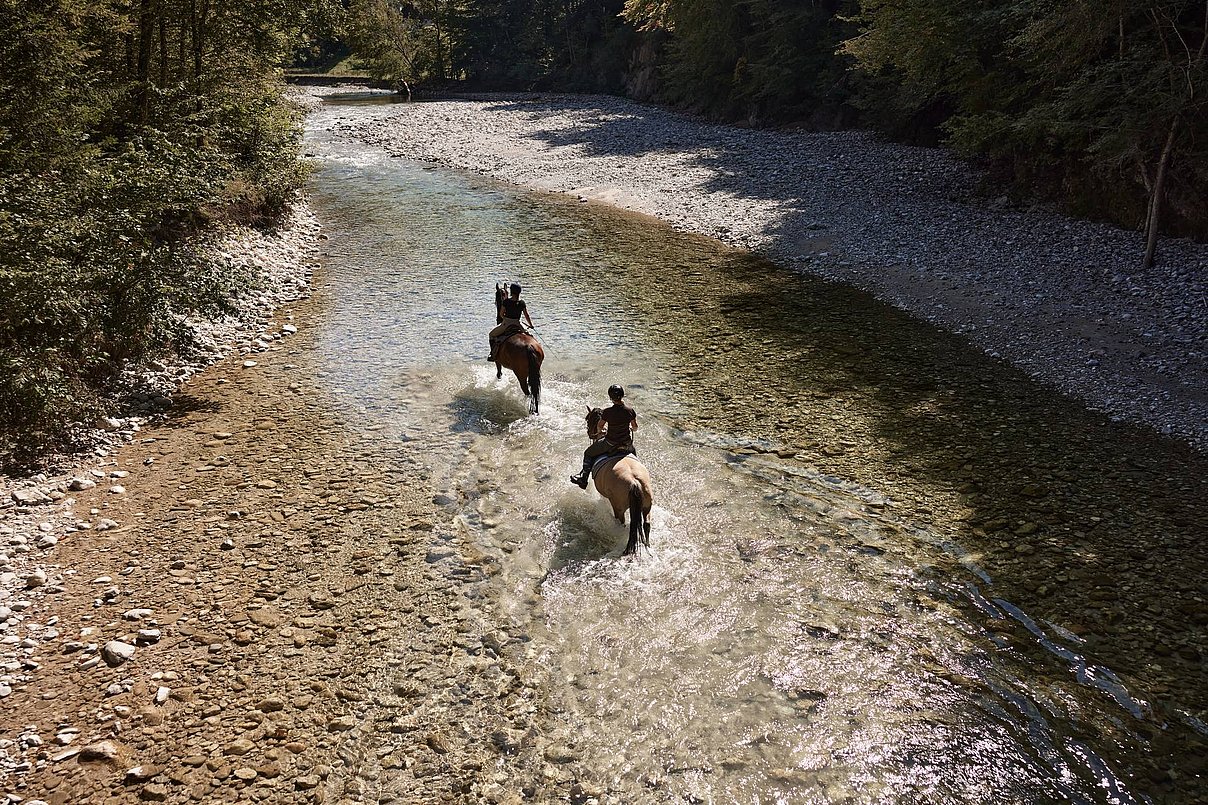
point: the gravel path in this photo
(1061, 298)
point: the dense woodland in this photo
(128, 127)
(1099, 104)
(126, 130)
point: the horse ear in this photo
(589, 409)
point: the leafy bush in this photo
(123, 135)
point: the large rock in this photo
(116, 652)
(30, 497)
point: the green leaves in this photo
(123, 137)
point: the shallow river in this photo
(808, 625)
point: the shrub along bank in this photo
(126, 132)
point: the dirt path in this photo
(267, 570)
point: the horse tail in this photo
(534, 378)
(637, 517)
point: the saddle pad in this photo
(606, 459)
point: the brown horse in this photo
(625, 483)
(522, 353)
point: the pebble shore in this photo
(39, 512)
(1061, 298)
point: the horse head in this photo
(595, 418)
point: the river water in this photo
(809, 624)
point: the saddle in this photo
(512, 330)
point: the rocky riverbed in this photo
(1061, 298)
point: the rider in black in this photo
(509, 313)
(621, 422)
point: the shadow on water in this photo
(1091, 525)
(379, 98)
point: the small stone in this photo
(240, 746)
(147, 636)
(306, 782)
(116, 652)
(30, 497)
(558, 753)
(36, 578)
(246, 774)
(117, 489)
(249, 364)
(162, 694)
(155, 792)
(135, 614)
(271, 705)
(141, 773)
(341, 724)
(81, 484)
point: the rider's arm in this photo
(633, 423)
(530, 318)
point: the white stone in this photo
(116, 652)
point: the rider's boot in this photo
(580, 480)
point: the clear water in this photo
(789, 637)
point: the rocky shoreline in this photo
(39, 511)
(1063, 299)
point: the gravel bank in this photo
(1061, 298)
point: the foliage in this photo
(763, 60)
(124, 130)
(1079, 98)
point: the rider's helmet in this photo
(515, 288)
(616, 392)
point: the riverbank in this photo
(1061, 298)
(235, 596)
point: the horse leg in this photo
(646, 526)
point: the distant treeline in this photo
(125, 128)
(1098, 103)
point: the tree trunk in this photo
(146, 29)
(163, 47)
(1155, 199)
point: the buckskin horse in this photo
(522, 353)
(624, 482)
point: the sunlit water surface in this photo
(786, 638)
